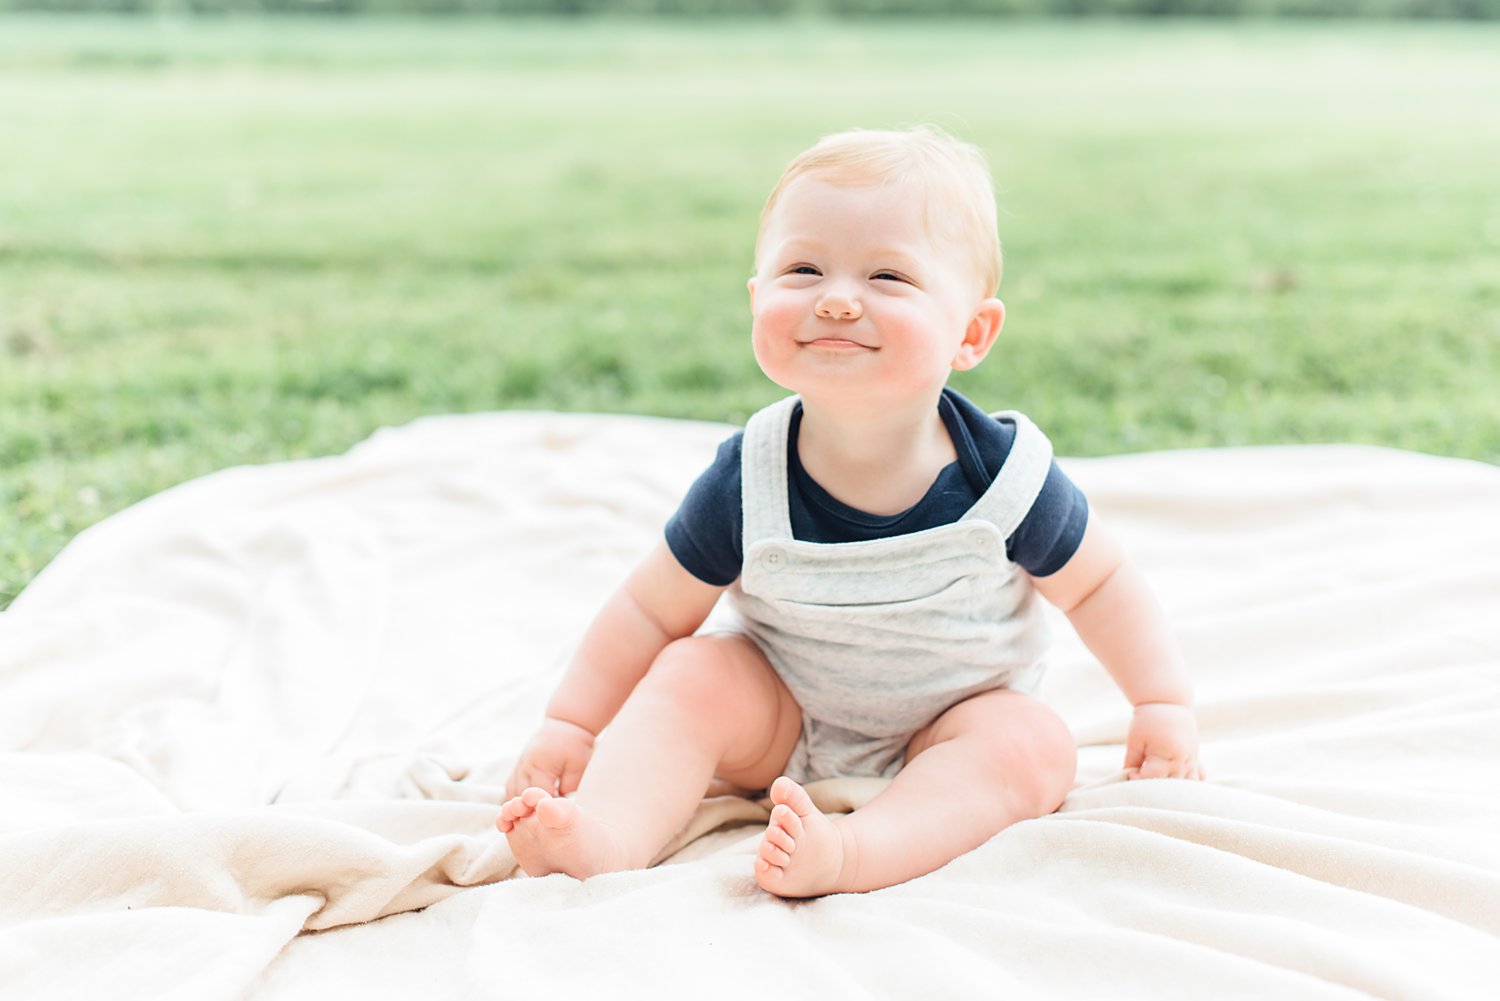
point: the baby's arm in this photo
(658, 603)
(1116, 615)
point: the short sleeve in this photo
(1053, 529)
(705, 533)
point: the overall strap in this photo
(764, 488)
(1018, 484)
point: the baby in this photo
(882, 541)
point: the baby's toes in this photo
(780, 838)
(556, 813)
(784, 819)
(773, 855)
(512, 810)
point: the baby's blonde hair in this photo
(953, 175)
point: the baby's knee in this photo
(1057, 756)
(1035, 755)
(702, 673)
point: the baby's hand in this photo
(553, 759)
(1163, 743)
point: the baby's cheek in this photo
(761, 346)
(773, 347)
(772, 330)
(778, 314)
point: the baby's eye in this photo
(802, 269)
(887, 276)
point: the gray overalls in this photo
(875, 639)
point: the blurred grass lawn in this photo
(230, 242)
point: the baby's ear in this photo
(751, 286)
(980, 334)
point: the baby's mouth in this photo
(836, 344)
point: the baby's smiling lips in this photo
(836, 344)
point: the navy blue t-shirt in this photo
(706, 533)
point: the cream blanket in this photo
(282, 699)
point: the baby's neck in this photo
(877, 461)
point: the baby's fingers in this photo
(571, 776)
(1154, 767)
(527, 776)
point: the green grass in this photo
(230, 242)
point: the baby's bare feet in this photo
(803, 853)
(550, 834)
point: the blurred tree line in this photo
(1457, 9)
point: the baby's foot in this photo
(803, 853)
(550, 834)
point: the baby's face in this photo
(852, 292)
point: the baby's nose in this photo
(838, 307)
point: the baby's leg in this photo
(709, 705)
(989, 761)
